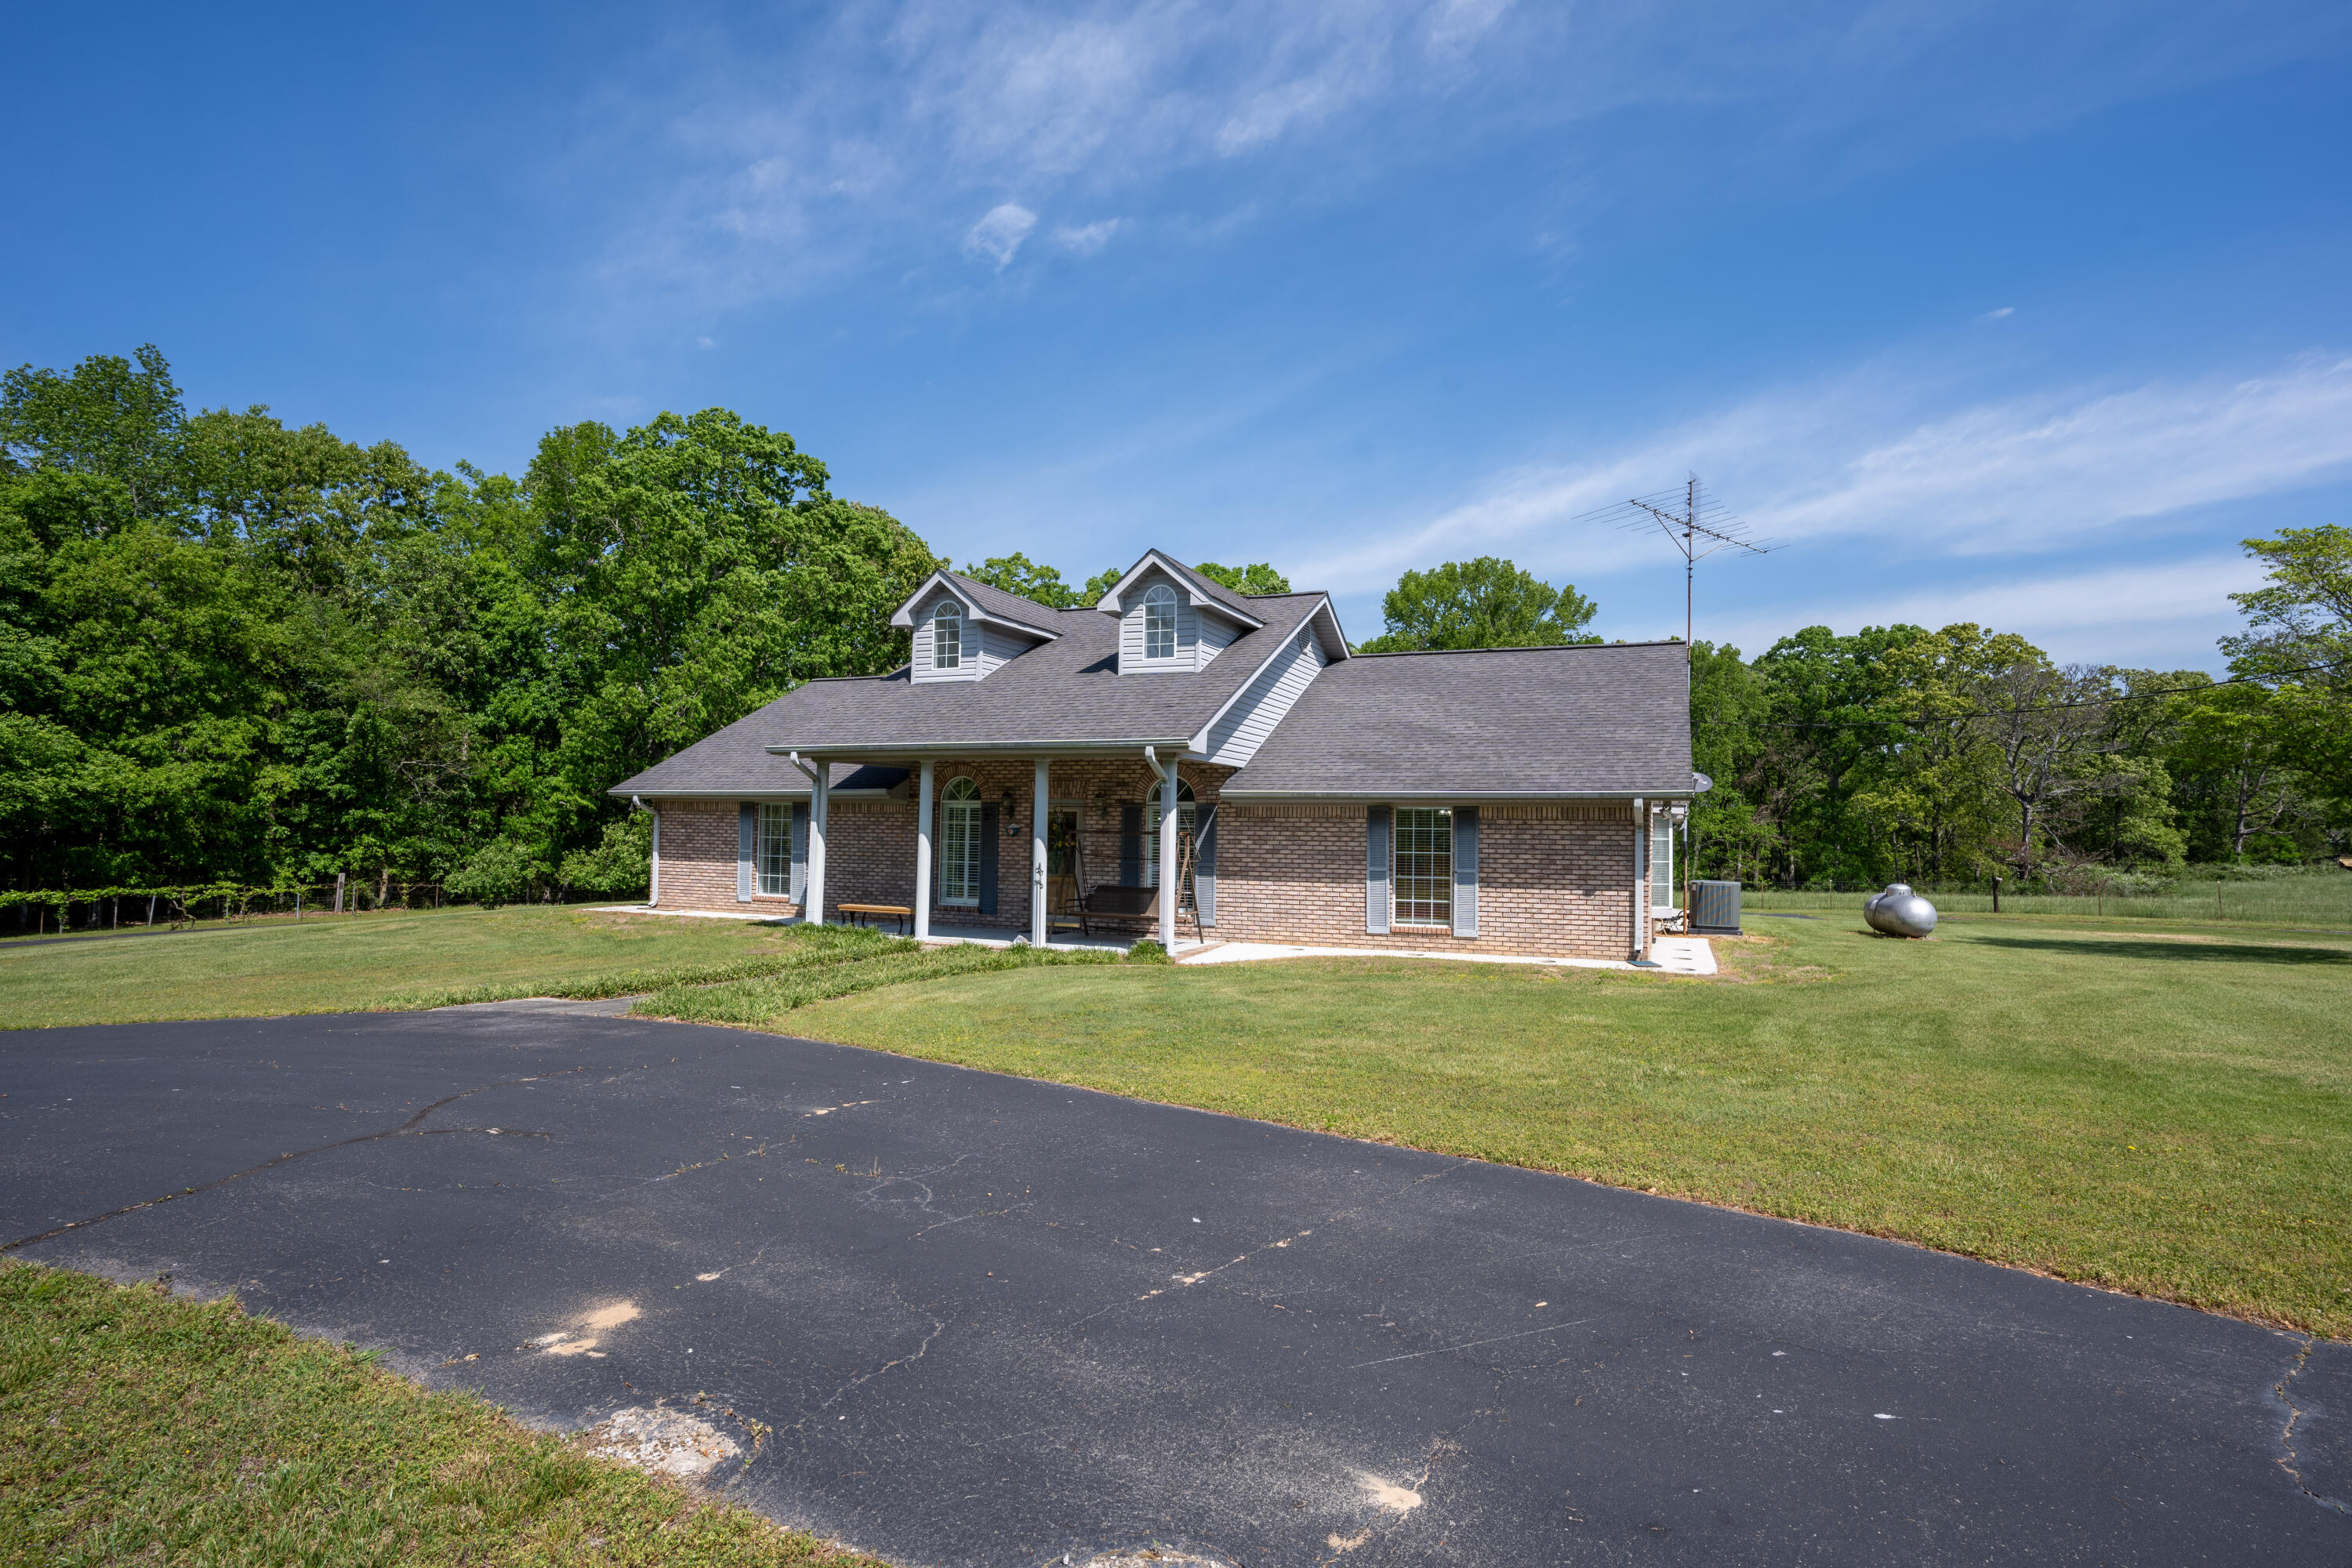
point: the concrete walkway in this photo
(989, 1321)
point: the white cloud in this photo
(1849, 460)
(785, 163)
(2001, 314)
(2116, 616)
(998, 235)
(1084, 239)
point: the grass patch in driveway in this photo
(760, 1002)
(2168, 1117)
(137, 1427)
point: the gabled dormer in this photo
(964, 629)
(1173, 618)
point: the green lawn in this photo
(2162, 1111)
(352, 963)
(135, 1427)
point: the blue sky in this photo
(2011, 314)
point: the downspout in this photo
(1641, 959)
(653, 877)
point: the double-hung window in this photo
(1159, 622)
(947, 636)
(959, 843)
(774, 851)
(1424, 866)
(1662, 862)
(1188, 826)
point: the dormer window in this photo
(947, 636)
(1159, 622)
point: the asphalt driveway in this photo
(986, 1321)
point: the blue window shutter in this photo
(1376, 870)
(1465, 870)
(747, 828)
(800, 850)
(1204, 870)
(1130, 847)
(988, 860)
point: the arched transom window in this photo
(947, 636)
(1188, 822)
(959, 843)
(1159, 622)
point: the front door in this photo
(1062, 867)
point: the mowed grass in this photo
(352, 963)
(2163, 1111)
(135, 1427)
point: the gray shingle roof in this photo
(1067, 692)
(1591, 719)
(1007, 607)
(733, 763)
(1219, 592)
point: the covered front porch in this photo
(1060, 849)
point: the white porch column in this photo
(922, 899)
(1168, 890)
(1037, 856)
(820, 796)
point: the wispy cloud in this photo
(997, 237)
(1084, 239)
(2002, 314)
(2030, 474)
(787, 165)
(2121, 614)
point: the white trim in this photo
(1198, 745)
(903, 617)
(1181, 577)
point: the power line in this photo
(2011, 712)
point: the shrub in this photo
(1147, 951)
(622, 861)
(498, 872)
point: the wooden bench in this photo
(1134, 903)
(860, 913)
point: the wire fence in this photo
(38, 912)
(2323, 899)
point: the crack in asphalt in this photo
(2288, 1459)
(1469, 1345)
(408, 1129)
(938, 1326)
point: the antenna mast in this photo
(1695, 523)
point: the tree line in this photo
(237, 652)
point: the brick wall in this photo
(871, 848)
(1552, 881)
(697, 858)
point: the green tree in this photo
(1260, 578)
(1016, 573)
(1485, 603)
(2298, 641)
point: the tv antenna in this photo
(1695, 523)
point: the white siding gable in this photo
(1200, 634)
(1243, 728)
(985, 648)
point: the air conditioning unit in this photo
(1715, 909)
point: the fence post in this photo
(339, 892)
(1996, 895)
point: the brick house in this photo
(1019, 775)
